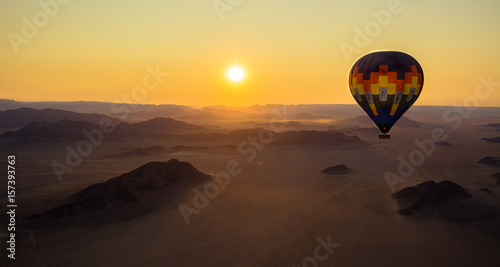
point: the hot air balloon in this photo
(386, 84)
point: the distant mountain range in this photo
(61, 131)
(163, 125)
(23, 116)
(136, 152)
(68, 131)
(85, 106)
(314, 138)
(126, 152)
(287, 125)
(140, 112)
(318, 138)
(366, 121)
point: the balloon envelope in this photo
(386, 84)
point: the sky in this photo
(293, 52)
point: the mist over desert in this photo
(257, 186)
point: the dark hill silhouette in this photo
(445, 200)
(61, 131)
(490, 161)
(129, 195)
(307, 116)
(233, 136)
(69, 131)
(443, 143)
(321, 138)
(428, 194)
(126, 152)
(367, 130)
(285, 125)
(85, 106)
(309, 111)
(492, 140)
(337, 170)
(496, 176)
(168, 111)
(402, 122)
(492, 125)
(23, 116)
(164, 125)
(215, 114)
(204, 115)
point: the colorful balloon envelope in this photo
(386, 84)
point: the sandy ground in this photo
(275, 210)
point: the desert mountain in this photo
(308, 116)
(366, 121)
(492, 140)
(68, 131)
(128, 195)
(287, 125)
(163, 125)
(444, 200)
(61, 131)
(315, 111)
(337, 170)
(85, 106)
(357, 129)
(496, 176)
(443, 143)
(23, 116)
(319, 138)
(126, 152)
(170, 111)
(490, 161)
(216, 114)
(492, 125)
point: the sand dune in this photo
(492, 140)
(490, 161)
(337, 170)
(444, 200)
(273, 211)
(496, 176)
(127, 196)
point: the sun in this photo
(236, 74)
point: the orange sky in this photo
(291, 50)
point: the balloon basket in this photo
(384, 136)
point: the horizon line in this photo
(222, 105)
